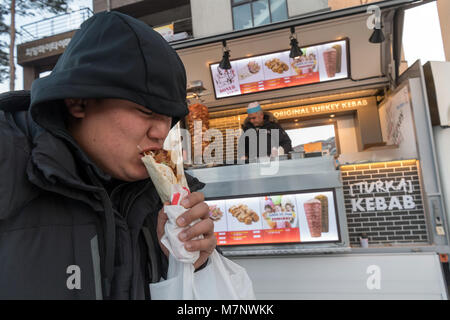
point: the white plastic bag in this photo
(221, 278)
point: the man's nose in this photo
(158, 131)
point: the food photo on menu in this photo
(279, 212)
(250, 70)
(226, 81)
(276, 65)
(332, 61)
(217, 213)
(243, 221)
(317, 217)
(306, 63)
(244, 214)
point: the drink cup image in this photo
(364, 240)
(329, 57)
(313, 212)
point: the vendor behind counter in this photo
(257, 120)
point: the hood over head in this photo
(115, 56)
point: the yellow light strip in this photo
(377, 165)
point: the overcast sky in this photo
(421, 36)
(310, 134)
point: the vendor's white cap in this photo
(253, 107)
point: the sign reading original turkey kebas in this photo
(324, 108)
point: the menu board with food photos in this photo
(288, 218)
(319, 63)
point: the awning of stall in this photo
(371, 66)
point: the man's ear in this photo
(76, 107)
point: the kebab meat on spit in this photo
(198, 112)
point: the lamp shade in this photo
(295, 50)
(225, 62)
(377, 36)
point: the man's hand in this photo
(198, 209)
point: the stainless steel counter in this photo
(258, 178)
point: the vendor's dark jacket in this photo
(270, 123)
(67, 229)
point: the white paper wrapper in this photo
(170, 239)
(163, 177)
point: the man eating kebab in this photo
(79, 216)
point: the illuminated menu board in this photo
(290, 218)
(319, 63)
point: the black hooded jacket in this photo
(270, 123)
(67, 229)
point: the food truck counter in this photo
(278, 207)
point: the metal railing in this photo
(54, 25)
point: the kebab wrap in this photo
(164, 172)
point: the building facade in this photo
(190, 19)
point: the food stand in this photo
(295, 222)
